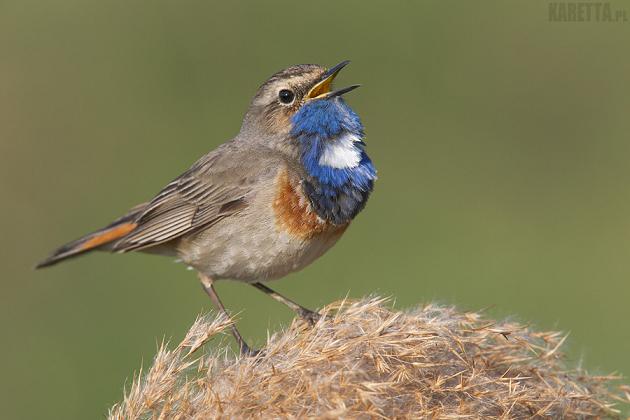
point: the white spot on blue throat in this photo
(341, 153)
(340, 173)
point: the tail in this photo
(95, 240)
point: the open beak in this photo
(323, 88)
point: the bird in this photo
(262, 205)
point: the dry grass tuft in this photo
(365, 360)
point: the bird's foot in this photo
(247, 351)
(309, 316)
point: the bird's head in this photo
(297, 113)
(299, 97)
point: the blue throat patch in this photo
(336, 194)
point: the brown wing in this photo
(214, 188)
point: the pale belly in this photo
(247, 250)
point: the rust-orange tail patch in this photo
(89, 242)
(106, 236)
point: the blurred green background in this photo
(501, 141)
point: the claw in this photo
(310, 317)
(247, 351)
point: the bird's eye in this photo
(286, 96)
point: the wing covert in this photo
(209, 191)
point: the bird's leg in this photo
(208, 286)
(306, 314)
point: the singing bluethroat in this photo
(266, 203)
